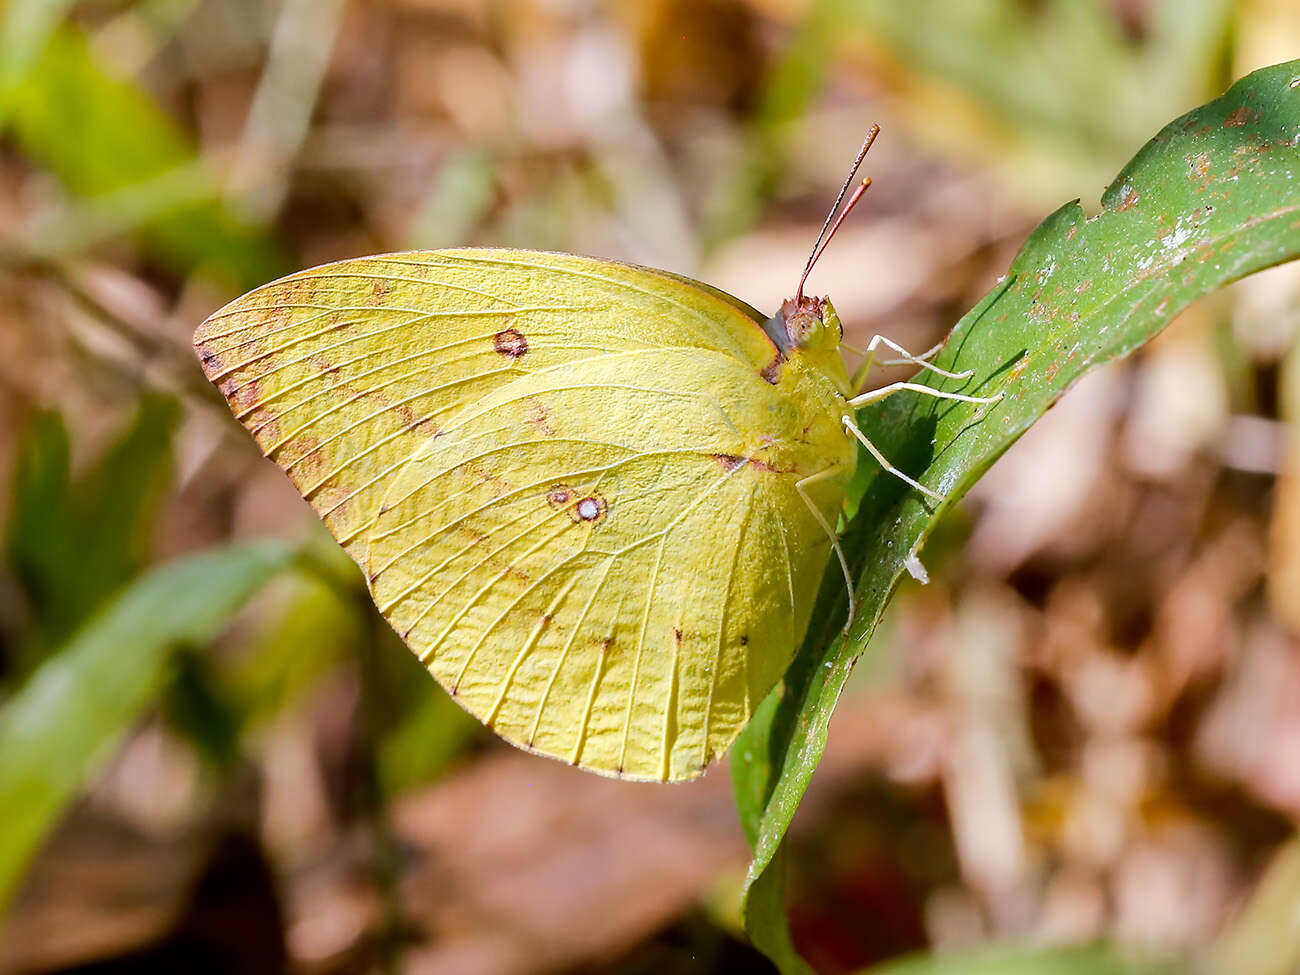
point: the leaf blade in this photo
(68, 716)
(1213, 197)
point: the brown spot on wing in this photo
(591, 509)
(379, 291)
(510, 342)
(212, 364)
(309, 464)
(731, 462)
(485, 476)
(424, 424)
(538, 415)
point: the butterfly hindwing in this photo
(588, 563)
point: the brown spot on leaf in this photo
(729, 462)
(510, 343)
(772, 371)
(1240, 117)
(677, 635)
(1083, 287)
(1198, 165)
(559, 496)
(1129, 201)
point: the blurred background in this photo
(1084, 731)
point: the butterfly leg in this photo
(875, 395)
(801, 486)
(878, 394)
(905, 357)
(885, 465)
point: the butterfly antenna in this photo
(828, 231)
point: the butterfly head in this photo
(809, 329)
(810, 325)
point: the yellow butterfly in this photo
(595, 499)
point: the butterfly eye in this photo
(806, 330)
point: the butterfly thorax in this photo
(812, 383)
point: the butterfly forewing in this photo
(343, 371)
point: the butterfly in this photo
(596, 500)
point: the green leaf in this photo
(72, 544)
(197, 705)
(312, 626)
(426, 739)
(67, 719)
(25, 26)
(37, 508)
(1213, 197)
(105, 139)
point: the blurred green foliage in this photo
(71, 544)
(1041, 94)
(66, 719)
(104, 643)
(133, 167)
